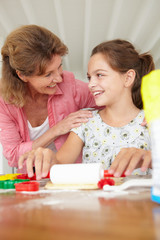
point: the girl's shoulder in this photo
(95, 119)
(95, 114)
(93, 110)
(140, 117)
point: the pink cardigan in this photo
(71, 95)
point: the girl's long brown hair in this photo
(122, 56)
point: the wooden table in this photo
(78, 215)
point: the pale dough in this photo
(50, 185)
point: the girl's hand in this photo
(73, 120)
(129, 159)
(41, 158)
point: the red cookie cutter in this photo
(107, 174)
(105, 181)
(25, 176)
(27, 186)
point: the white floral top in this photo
(103, 142)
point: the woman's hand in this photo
(41, 158)
(64, 126)
(129, 159)
(73, 120)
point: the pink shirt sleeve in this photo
(13, 137)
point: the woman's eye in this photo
(48, 75)
(60, 66)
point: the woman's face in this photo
(46, 83)
(106, 84)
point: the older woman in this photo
(39, 102)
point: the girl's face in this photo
(46, 83)
(106, 84)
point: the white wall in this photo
(1, 44)
(1, 160)
(4, 167)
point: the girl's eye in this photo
(88, 77)
(99, 75)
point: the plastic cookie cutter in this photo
(10, 184)
(27, 186)
(107, 174)
(128, 184)
(11, 176)
(105, 181)
(25, 176)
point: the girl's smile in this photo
(97, 93)
(106, 84)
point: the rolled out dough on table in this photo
(81, 186)
(50, 185)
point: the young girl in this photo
(115, 70)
